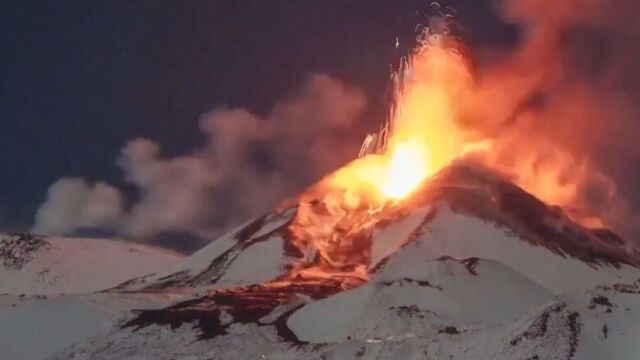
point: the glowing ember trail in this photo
(421, 136)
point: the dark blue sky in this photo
(78, 79)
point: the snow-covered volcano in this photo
(469, 267)
(463, 212)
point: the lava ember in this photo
(421, 135)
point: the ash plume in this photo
(563, 104)
(223, 182)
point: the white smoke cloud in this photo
(172, 190)
(225, 181)
(571, 82)
(74, 203)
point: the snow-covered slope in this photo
(47, 285)
(469, 267)
(598, 323)
(384, 319)
(447, 292)
(461, 236)
(54, 265)
(35, 327)
(253, 252)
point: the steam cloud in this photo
(73, 203)
(304, 137)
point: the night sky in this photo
(78, 79)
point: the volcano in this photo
(470, 266)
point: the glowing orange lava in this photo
(422, 134)
(403, 173)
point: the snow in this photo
(73, 265)
(48, 301)
(415, 308)
(33, 328)
(330, 320)
(201, 259)
(258, 263)
(461, 236)
(494, 295)
(197, 270)
(386, 241)
(558, 339)
(275, 221)
(192, 266)
(565, 327)
(42, 327)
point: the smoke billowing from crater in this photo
(223, 182)
(562, 105)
